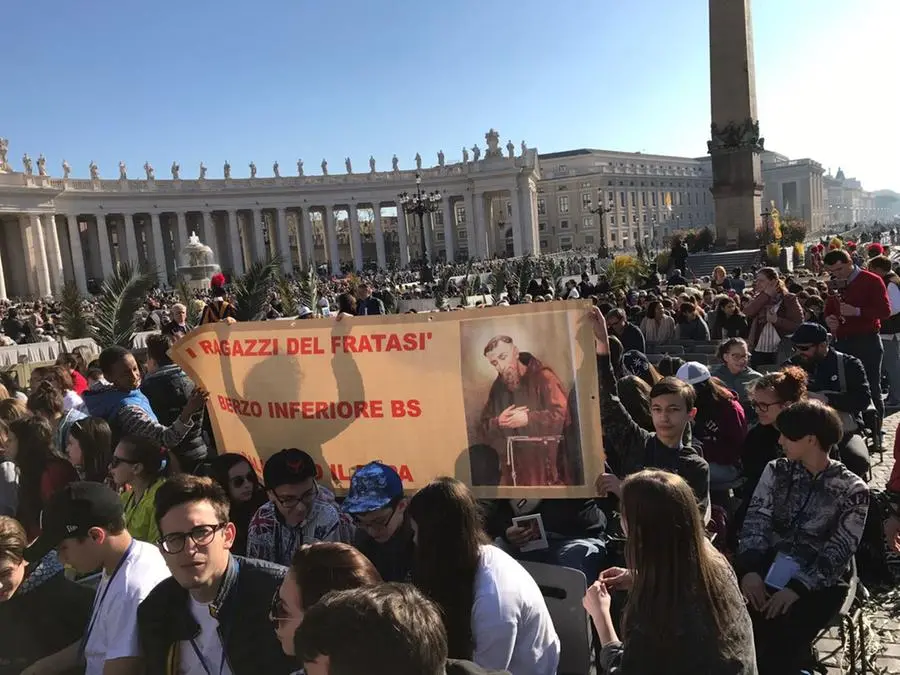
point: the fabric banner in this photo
(504, 399)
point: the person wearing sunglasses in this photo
(377, 505)
(299, 510)
(139, 466)
(245, 493)
(212, 616)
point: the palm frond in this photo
(527, 272)
(287, 296)
(186, 298)
(75, 318)
(497, 283)
(442, 287)
(251, 291)
(309, 289)
(121, 296)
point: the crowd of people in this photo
(720, 540)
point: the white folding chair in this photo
(563, 589)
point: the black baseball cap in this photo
(809, 333)
(72, 512)
(288, 467)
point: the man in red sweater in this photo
(863, 306)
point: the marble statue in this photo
(67, 169)
(26, 161)
(276, 170)
(511, 149)
(476, 153)
(348, 165)
(492, 139)
(226, 169)
(418, 162)
(203, 171)
(95, 172)
(465, 155)
(148, 169)
(123, 173)
(440, 158)
(42, 165)
(252, 170)
(299, 167)
(324, 167)
(524, 149)
(175, 170)
(372, 163)
(395, 163)
(4, 149)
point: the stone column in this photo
(355, 237)
(334, 256)
(78, 270)
(209, 233)
(309, 247)
(735, 146)
(259, 242)
(28, 253)
(379, 237)
(130, 240)
(517, 224)
(284, 243)
(54, 256)
(103, 238)
(2, 281)
(181, 227)
(449, 229)
(159, 254)
(471, 239)
(481, 226)
(44, 288)
(234, 244)
(403, 236)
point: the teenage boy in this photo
(212, 616)
(671, 407)
(378, 508)
(390, 629)
(298, 512)
(86, 524)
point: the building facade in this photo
(54, 230)
(797, 188)
(846, 202)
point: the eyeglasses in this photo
(116, 460)
(376, 525)
(307, 498)
(201, 535)
(764, 407)
(237, 482)
(277, 610)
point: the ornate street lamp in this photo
(419, 204)
(601, 210)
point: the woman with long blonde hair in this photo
(685, 613)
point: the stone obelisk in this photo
(735, 141)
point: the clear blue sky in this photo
(208, 80)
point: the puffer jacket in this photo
(168, 390)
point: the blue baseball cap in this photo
(373, 486)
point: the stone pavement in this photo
(883, 613)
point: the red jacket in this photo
(868, 293)
(79, 384)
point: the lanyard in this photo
(202, 659)
(98, 603)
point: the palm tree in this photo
(309, 289)
(287, 296)
(186, 298)
(75, 318)
(251, 291)
(121, 296)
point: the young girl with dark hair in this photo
(47, 401)
(493, 610)
(245, 493)
(89, 448)
(140, 463)
(43, 470)
(684, 613)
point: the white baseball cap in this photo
(693, 372)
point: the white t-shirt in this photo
(208, 643)
(511, 624)
(72, 400)
(114, 634)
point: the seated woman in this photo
(139, 466)
(494, 612)
(317, 569)
(734, 369)
(803, 526)
(41, 612)
(728, 321)
(684, 613)
(245, 493)
(657, 327)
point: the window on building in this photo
(460, 213)
(588, 239)
(653, 199)
(643, 199)
(564, 224)
(563, 204)
(624, 220)
(565, 243)
(544, 244)
(542, 227)
(82, 227)
(622, 199)
(634, 198)
(542, 206)
(463, 235)
(587, 222)
(562, 168)
(508, 209)
(561, 188)
(610, 198)
(585, 201)
(586, 184)
(438, 218)
(439, 236)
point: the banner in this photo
(504, 399)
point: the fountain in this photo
(199, 265)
